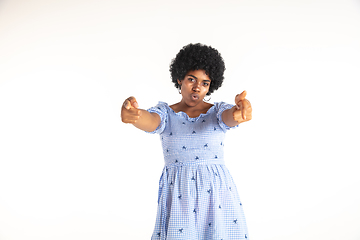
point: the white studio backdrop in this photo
(70, 169)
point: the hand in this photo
(243, 110)
(129, 111)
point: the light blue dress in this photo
(197, 198)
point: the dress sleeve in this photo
(221, 107)
(161, 110)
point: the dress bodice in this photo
(188, 140)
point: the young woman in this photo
(197, 195)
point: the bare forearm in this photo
(241, 112)
(142, 119)
(147, 121)
(228, 117)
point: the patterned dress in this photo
(197, 197)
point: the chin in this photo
(192, 102)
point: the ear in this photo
(179, 82)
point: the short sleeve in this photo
(221, 107)
(162, 110)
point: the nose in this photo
(196, 86)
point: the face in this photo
(194, 86)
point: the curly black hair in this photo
(198, 56)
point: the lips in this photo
(194, 96)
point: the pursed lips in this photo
(194, 96)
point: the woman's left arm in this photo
(241, 112)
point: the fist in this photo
(129, 111)
(243, 110)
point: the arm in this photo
(142, 119)
(241, 112)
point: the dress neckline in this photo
(183, 114)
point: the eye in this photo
(191, 79)
(206, 84)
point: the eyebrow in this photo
(197, 78)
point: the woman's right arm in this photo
(142, 119)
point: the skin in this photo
(194, 88)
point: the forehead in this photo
(199, 74)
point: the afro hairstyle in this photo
(198, 57)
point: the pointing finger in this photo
(133, 102)
(247, 109)
(240, 97)
(246, 103)
(243, 110)
(127, 104)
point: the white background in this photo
(70, 169)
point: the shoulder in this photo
(162, 109)
(221, 106)
(163, 106)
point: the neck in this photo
(192, 106)
(191, 110)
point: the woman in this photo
(197, 196)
